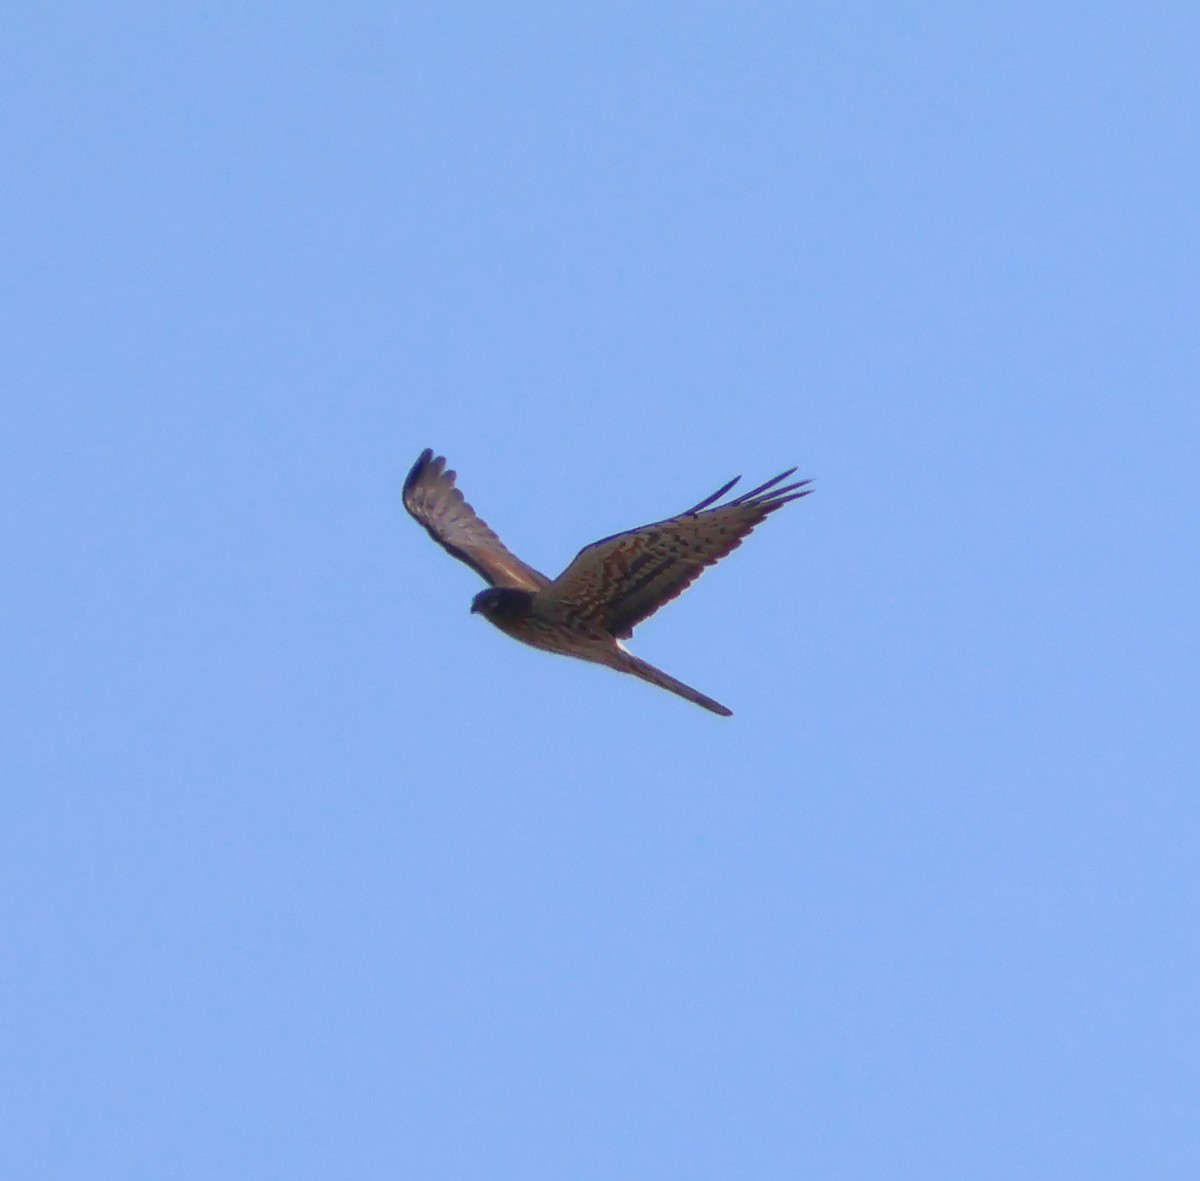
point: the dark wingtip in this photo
(424, 461)
(772, 493)
(709, 499)
(769, 489)
(801, 484)
(414, 472)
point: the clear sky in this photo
(307, 873)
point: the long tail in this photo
(656, 676)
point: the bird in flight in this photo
(610, 586)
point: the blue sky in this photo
(307, 873)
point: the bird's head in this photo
(499, 602)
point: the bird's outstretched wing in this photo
(432, 500)
(620, 580)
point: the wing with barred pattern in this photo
(621, 580)
(434, 502)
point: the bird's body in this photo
(542, 623)
(557, 626)
(610, 586)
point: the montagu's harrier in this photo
(609, 587)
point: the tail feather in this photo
(656, 676)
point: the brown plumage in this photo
(610, 586)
